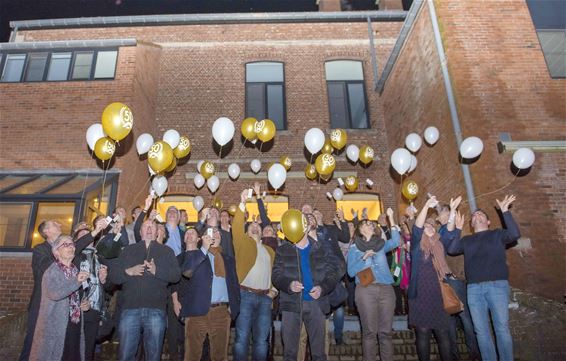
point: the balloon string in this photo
(498, 189)
(103, 183)
(305, 181)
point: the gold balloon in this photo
(232, 210)
(171, 166)
(410, 189)
(160, 156)
(217, 203)
(285, 162)
(325, 164)
(351, 183)
(327, 147)
(104, 148)
(294, 225)
(207, 169)
(248, 128)
(183, 149)
(366, 154)
(265, 130)
(338, 138)
(310, 172)
(117, 121)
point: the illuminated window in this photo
(181, 202)
(60, 212)
(359, 201)
(274, 205)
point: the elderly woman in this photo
(375, 299)
(58, 334)
(428, 268)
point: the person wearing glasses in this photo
(58, 334)
(375, 298)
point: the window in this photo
(550, 23)
(105, 65)
(28, 199)
(346, 94)
(181, 202)
(36, 66)
(13, 67)
(82, 65)
(275, 206)
(14, 219)
(265, 92)
(59, 66)
(359, 201)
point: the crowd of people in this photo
(149, 283)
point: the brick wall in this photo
(501, 84)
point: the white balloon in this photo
(223, 130)
(93, 134)
(431, 135)
(172, 137)
(314, 140)
(199, 164)
(523, 158)
(353, 153)
(401, 160)
(413, 142)
(234, 171)
(276, 175)
(199, 181)
(413, 163)
(213, 183)
(143, 143)
(338, 194)
(151, 170)
(159, 184)
(255, 165)
(198, 203)
(471, 147)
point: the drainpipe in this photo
(451, 104)
(13, 34)
(373, 54)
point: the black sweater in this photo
(146, 291)
(484, 252)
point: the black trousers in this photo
(90, 326)
(314, 321)
(423, 343)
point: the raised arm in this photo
(456, 246)
(261, 207)
(56, 285)
(511, 232)
(421, 218)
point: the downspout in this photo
(373, 54)
(13, 34)
(452, 104)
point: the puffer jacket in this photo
(325, 273)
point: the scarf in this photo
(71, 272)
(433, 246)
(375, 244)
(219, 270)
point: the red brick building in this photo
(184, 71)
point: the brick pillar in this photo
(329, 5)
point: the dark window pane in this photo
(358, 112)
(275, 105)
(59, 66)
(83, 64)
(105, 64)
(36, 66)
(255, 101)
(548, 14)
(264, 72)
(35, 185)
(13, 67)
(14, 220)
(337, 103)
(75, 185)
(61, 212)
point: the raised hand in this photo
(454, 203)
(244, 196)
(340, 214)
(207, 241)
(431, 202)
(459, 220)
(257, 189)
(100, 225)
(152, 215)
(506, 202)
(148, 202)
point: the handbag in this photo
(366, 277)
(338, 295)
(450, 299)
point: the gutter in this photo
(212, 19)
(65, 44)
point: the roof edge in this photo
(64, 44)
(225, 18)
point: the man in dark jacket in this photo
(304, 273)
(144, 270)
(211, 299)
(42, 258)
(210, 218)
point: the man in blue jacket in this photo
(212, 297)
(486, 270)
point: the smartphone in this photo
(209, 231)
(250, 193)
(152, 192)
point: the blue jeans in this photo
(485, 298)
(152, 322)
(255, 319)
(459, 287)
(338, 319)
